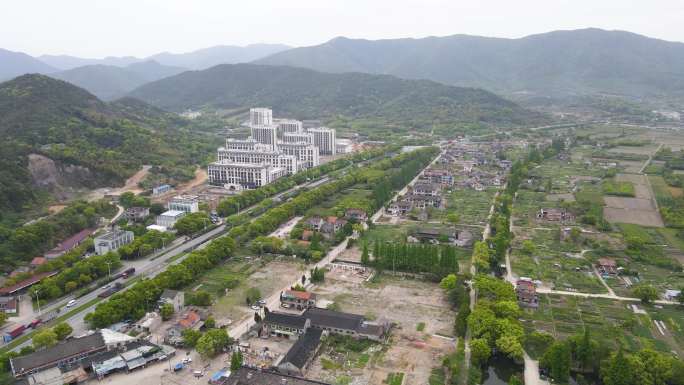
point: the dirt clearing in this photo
(421, 338)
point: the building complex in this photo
(275, 148)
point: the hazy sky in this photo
(97, 28)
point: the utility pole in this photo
(109, 269)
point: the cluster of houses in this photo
(329, 226)
(77, 360)
(469, 159)
(419, 197)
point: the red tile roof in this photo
(37, 261)
(189, 320)
(304, 295)
(26, 283)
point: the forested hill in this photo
(305, 94)
(56, 136)
(560, 63)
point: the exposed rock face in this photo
(62, 180)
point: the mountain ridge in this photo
(574, 62)
(305, 94)
(110, 82)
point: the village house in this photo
(356, 214)
(68, 244)
(286, 325)
(607, 266)
(137, 214)
(174, 298)
(300, 354)
(8, 305)
(332, 225)
(400, 208)
(296, 299)
(38, 261)
(526, 292)
(425, 189)
(554, 214)
(314, 223)
(438, 176)
(423, 201)
(190, 320)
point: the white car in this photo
(71, 303)
(187, 360)
(255, 307)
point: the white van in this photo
(71, 303)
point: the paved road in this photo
(148, 268)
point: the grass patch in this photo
(621, 189)
(394, 379)
(437, 377)
(420, 327)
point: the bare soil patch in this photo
(407, 303)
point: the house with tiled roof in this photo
(296, 299)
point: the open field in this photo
(639, 210)
(610, 322)
(229, 282)
(406, 302)
(557, 264)
(471, 206)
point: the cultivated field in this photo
(640, 210)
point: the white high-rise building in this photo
(266, 135)
(288, 125)
(241, 144)
(260, 117)
(324, 139)
(307, 154)
(261, 154)
(298, 137)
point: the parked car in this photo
(255, 307)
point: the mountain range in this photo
(196, 60)
(554, 64)
(109, 82)
(305, 94)
(13, 64)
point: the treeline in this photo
(143, 296)
(583, 356)
(435, 260)
(25, 242)
(272, 218)
(494, 324)
(249, 198)
(78, 275)
(145, 244)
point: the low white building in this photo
(112, 240)
(186, 203)
(169, 218)
(237, 176)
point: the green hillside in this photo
(106, 142)
(307, 94)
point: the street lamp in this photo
(36, 291)
(109, 269)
